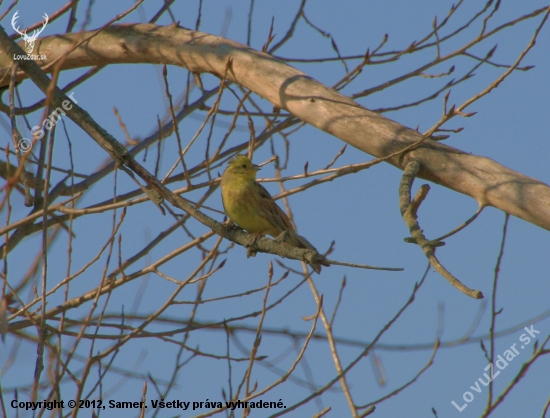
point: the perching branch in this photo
(121, 156)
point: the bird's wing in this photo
(272, 212)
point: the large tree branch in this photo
(490, 183)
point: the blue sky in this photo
(359, 212)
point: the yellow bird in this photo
(251, 207)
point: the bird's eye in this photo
(243, 166)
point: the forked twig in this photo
(408, 211)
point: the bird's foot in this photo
(251, 248)
(282, 236)
(228, 223)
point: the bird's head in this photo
(241, 167)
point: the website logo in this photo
(29, 40)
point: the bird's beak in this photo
(257, 167)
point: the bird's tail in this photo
(298, 241)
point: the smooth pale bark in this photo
(490, 183)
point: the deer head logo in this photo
(29, 40)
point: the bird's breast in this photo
(241, 205)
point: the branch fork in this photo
(409, 209)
